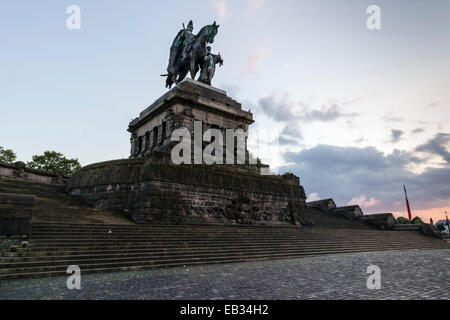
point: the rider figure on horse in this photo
(183, 40)
(188, 51)
(188, 38)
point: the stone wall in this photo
(350, 212)
(162, 193)
(324, 205)
(383, 221)
(424, 228)
(16, 211)
(19, 170)
(430, 230)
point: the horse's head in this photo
(211, 32)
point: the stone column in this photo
(134, 147)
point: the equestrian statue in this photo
(190, 53)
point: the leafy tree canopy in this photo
(401, 220)
(52, 161)
(7, 155)
(417, 220)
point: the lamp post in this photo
(448, 224)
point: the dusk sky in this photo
(355, 113)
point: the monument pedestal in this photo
(180, 107)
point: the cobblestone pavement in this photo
(404, 275)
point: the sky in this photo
(355, 113)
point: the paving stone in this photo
(405, 275)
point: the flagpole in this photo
(407, 204)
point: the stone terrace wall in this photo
(324, 205)
(350, 212)
(16, 211)
(19, 170)
(165, 193)
(384, 221)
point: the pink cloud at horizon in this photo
(435, 213)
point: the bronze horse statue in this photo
(184, 59)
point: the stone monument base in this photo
(164, 193)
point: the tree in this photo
(7, 155)
(401, 220)
(417, 220)
(52, 161)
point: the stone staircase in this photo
(53, 204)
(106, 248)
(67, 231)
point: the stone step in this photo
(224, 233)
(387, 235)
(78, 228)
(201, 242)
(100, 232)
(234, 235)
(41, 259)
(75, 233)
(58, 255)
(65, 233)
(43, 274)
(149, 264)
(217, 245)
(135, 226)
(196, 251)
(214, 244)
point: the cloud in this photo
(254, 60)
(290, 136)
(285, 141)
(291, 130)
(363, 202)
(438, 145)
(232, 89)
(279, 109)
(396, 135)
(417, 130)
(391, 118)
(352, 101)
(326, 113)
(313, 197)
(282, 109)
(221, 7)
(348, 173)
(254, 5)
